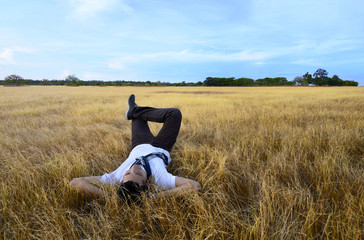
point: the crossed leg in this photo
(166, 138)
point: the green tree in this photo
(14, 80)
(45, 81)
(307, 79)
(243, 82)
(335, 81)
(351, 83)
(72, 80)
(320, 77)
(210, 81)
(320, 73)
(278, 81)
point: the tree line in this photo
(72, 80)
(319, 78)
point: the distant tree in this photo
(307, 79)
(351, 83)
(320, 77)
(243, 82)
(320, 73)
(299, 80)
(335, 81)
(45, 81)
(72, 80)
(278, 81)
(199, 83)
(14, 80)
(210, 81)
(290, 83)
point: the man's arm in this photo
(189, 183)
(183, 185)
(86, 185)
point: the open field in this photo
(274, 163)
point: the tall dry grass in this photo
(274, 163)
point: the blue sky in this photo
(178, 41)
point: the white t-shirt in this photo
(160, 176)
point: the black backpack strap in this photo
(144, 161)
(159, 155)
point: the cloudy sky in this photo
(174, 41)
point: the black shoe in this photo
(131, 107)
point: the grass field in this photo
(274, 163)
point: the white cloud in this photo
(7, 55)
(327, 46)
(188, 56)
(309, 62)
(93, 76)
(320, 62)
(116, 64)
(89, 8)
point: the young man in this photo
(148, 159)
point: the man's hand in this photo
(86, 185)
(180, 181)
(183, 185)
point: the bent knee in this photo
(176, 113)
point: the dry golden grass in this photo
(274, 163)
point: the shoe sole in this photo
(129, 100)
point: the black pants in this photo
(166, 138)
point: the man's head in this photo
(131, 191)
(134, 183)
(136, 174)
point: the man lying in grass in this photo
(148, 159)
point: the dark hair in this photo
(131, 191)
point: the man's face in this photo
(136, 174)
